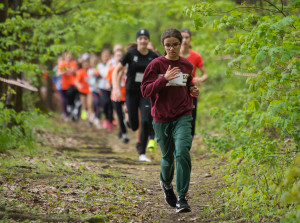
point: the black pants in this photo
(97, 107)
(194, 115)
(70, 96)
(107, 105)
(118, 108)
(134, 101)
(63, 101)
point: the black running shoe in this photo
(125, 140)
(182, 205)
(170, 197)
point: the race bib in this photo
(138, 77)
(179, 81)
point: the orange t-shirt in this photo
(67, 80)
(81, 78)
(123, 82)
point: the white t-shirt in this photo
(102, 71)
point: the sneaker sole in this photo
(147, 161)
(183, 210)
(161, 185)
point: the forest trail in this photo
(78, 158)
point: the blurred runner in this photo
(105, 89)
(81, 82)
(139, 108)
(118, 105)
(67, 69)
(93, 79)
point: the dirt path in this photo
(103, 154)
(123, 158)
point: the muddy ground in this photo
(84, 149)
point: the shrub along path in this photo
(80, 174)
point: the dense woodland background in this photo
(249, 110)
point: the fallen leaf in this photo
(207, 175)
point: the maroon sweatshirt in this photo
(168, 102)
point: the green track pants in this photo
(175, 141)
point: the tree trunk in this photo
(3, 16)
(18, 105)
(49, 86)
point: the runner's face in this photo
(68, 57)
(172, 47)
(186, 39)
(85, 65)
(118, 56)
(118, 47)
(142, 41)
(105, 56)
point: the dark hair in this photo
(80, 63)
(186, 31)
(105, 49)
(171, 33)
(131, 46)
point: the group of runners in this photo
(155, 96)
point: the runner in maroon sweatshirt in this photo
(167, 81)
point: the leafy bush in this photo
(262, 134)
(16, 129)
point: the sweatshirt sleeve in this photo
(190, 82)
(151, 83)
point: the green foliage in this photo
(261, 133)
(16, 129)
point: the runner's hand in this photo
(171, 73)
(194, 91)
(116, 95)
